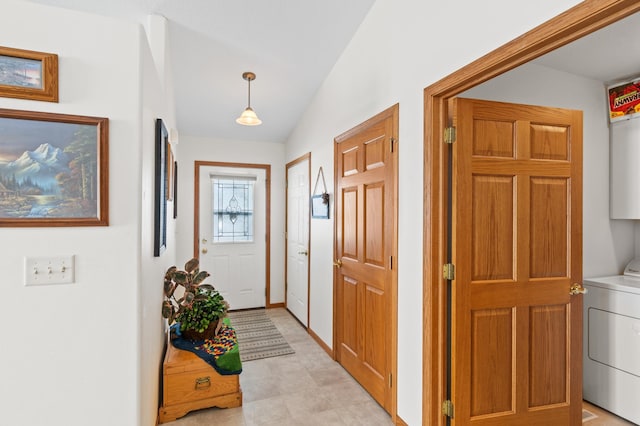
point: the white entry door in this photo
(232, 233)
(298, 240)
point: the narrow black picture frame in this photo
(175, 190)
(160, 198)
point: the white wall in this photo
(157, 102)
(210, 149)
(607, 244)
(80, 344)
(402, 47)
(70, 352)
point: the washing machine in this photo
(611, 356)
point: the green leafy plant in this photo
(203, 312)
(199, 305)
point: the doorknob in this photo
(204, 250)
(577, 288)
(338, 263)
(303, 252)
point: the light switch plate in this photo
(49, 270)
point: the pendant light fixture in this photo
(248, 116)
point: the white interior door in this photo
(233, 233)
(298, 240)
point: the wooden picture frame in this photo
(54, 169)
(160, 198)
(26, 74)
(170, 173)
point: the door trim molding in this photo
(575, 23)
(290, 164)
(196, 215)
(394, 112)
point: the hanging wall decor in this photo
(161, 185)
(320, 202)
(55, 169)
(26, 74)
(175, 189)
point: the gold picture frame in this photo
(27, 74)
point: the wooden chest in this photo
(189, 383)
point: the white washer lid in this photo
(616, 282)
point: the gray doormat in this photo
(257, 336)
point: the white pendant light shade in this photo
(248, 116)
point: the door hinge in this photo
(390, 262)
(390, 380)
(450, 135)
(392, 143)
(449, 271)
(447, 408)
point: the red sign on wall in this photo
(624, 100)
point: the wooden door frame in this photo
(393, 112)
(196, 216)
(575, 23)
(290, 164)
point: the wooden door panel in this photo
(493, 138)
(516, 235)
(375, 319)
(366, 228)
(548, 368)
(350, 320)
(549, 235)
(374, 224)
(549, 142)
(350, 161)
(492, 358)
(349, 214)
(493, 227)
(374, 153)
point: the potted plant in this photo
(199, 309)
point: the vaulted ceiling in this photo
(291, 46)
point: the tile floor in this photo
(604, 418)
(306, 388)
(309, 388)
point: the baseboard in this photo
(320, 342)
(275, 305)
(400, 422)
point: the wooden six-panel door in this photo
(517, 250)
(366, 245)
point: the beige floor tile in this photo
(604, 417)
(306, 388)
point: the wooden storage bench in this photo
(189, 383)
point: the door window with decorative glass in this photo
(232, 209)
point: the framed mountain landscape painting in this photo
(53, 169)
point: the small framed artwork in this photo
(160, 198)
(320, 207)
(175, 189)
(170, 173)
(26, 74)
(54, 169)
